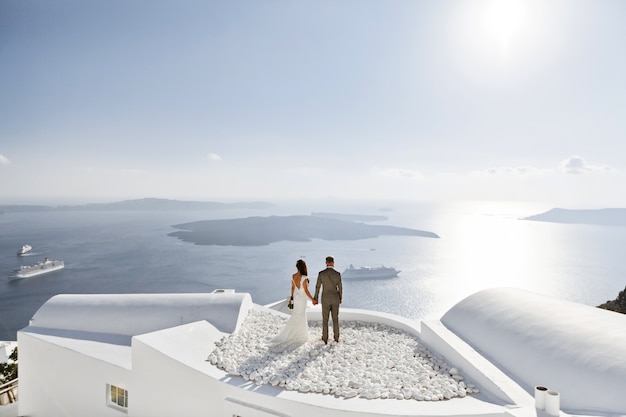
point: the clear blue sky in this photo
(239, 100)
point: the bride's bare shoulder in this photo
(296, 279)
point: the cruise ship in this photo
(24, 250)
(367, 272)
(27, 271)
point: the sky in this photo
(426, 100)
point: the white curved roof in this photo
(134, 314)
(577, 350)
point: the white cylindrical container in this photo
(540, 397)
(553, 403)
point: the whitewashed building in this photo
(146, 355)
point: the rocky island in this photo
(606, 216)
(260, 231)
(141, 204)
(618, 305)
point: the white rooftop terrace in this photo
(505, 340)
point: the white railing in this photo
(8, 392)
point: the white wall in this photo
(9, 410)
(58, 382)
(162, 386)
(493, 383)
(171, 377)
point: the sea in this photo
(481, 245)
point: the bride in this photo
(296, 330)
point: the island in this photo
(261, 231)
(141, 204)
(606, 216)
(618, 304)
(351, 217)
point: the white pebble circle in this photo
(372, 361)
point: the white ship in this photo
(27, 271)
(367, 272)
(24, 249)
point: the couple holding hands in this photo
(295, 331)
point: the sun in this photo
(501, 42)
(503, 20)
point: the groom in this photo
(330, 280)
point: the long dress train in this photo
(296, 330)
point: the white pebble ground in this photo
(371, 361)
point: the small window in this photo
(117, 397)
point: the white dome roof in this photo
(133, 314)
(571, 348)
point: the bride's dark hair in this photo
(301, 265)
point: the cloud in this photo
(521, 171)
(401, 173)
(578, 165)
(214, 157)
(113, 171)
(4, 160)
(133, 171)
(572, 165)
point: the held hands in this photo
(314, 301)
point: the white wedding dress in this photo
(296, 330)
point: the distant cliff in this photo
(618, 305)
(607, 216)
(143, 204)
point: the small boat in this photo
(24, 250)
(367, 272)
(27, 271)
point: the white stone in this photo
(372, 361)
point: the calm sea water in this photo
(482, 245)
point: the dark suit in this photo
(330, 282)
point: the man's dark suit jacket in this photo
(330, 281)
